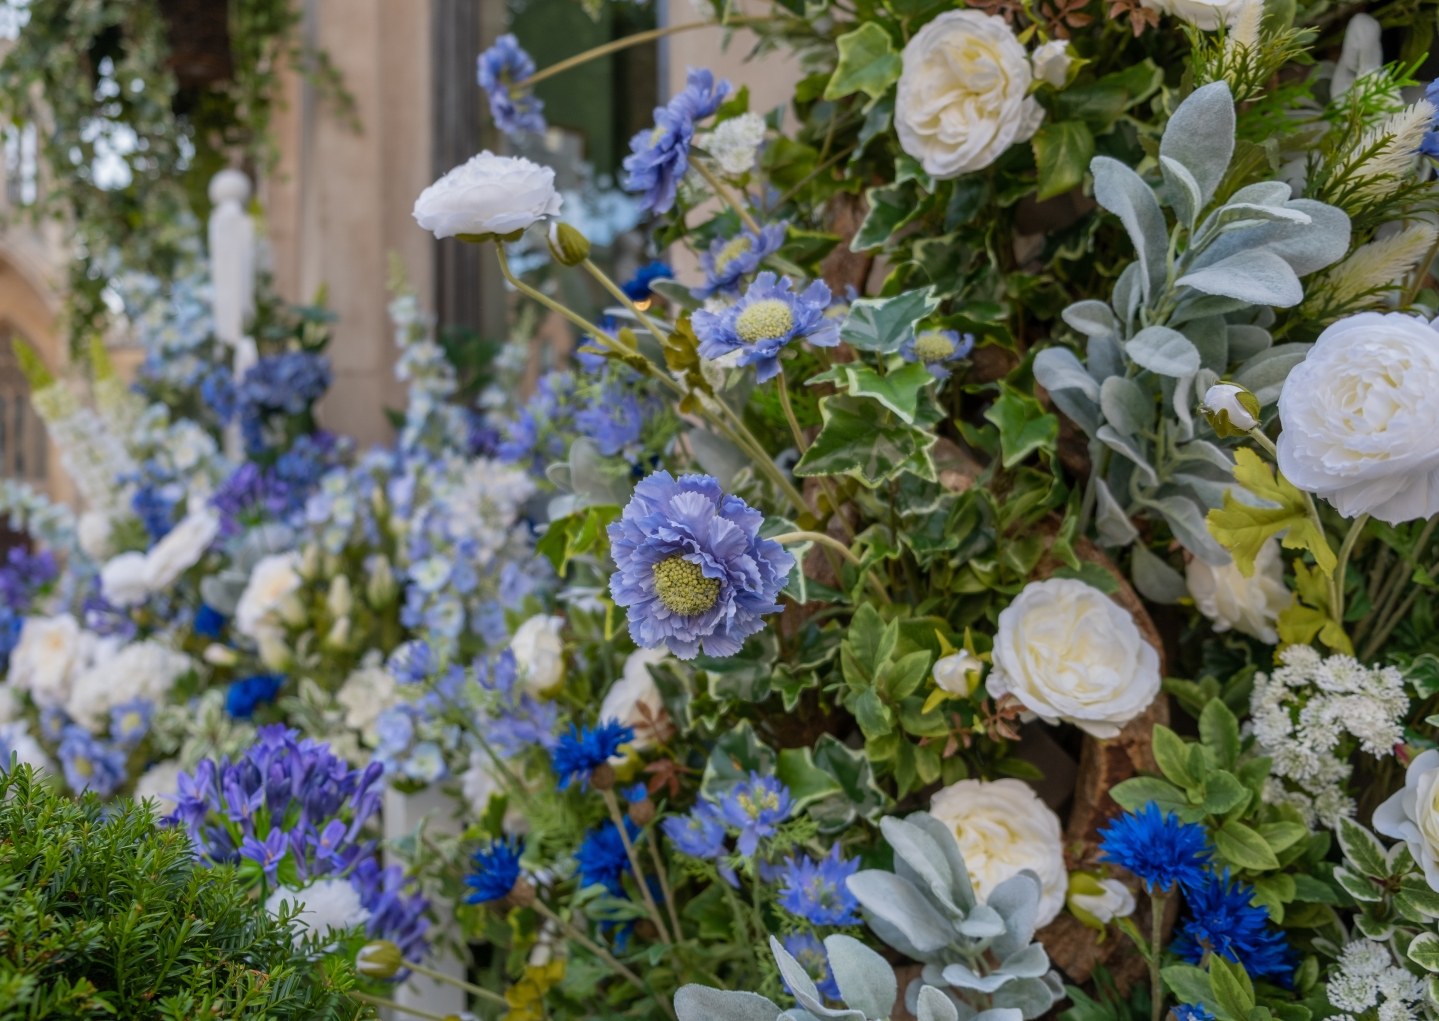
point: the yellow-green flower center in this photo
(683, 588)
(730, 252)
(656, 135)
(759, 802)
(933, 347)
(764, 320)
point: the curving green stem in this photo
(829, 542)
(1157, 900)
(619, 969)
(726, 195)
(469, 987)
(624, 298)
(1339, 570)
(628, 41)
(612, 803)
(377, 1001)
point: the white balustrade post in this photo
(232, 279)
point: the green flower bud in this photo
(380, 589)
(310, 562)
(1230, 409)
(380, 959)
(568, 245)
(339, 600)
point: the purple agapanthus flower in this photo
(499, 69)
(692, 569)
(817, 892)
(397, 910)
(90, 765)
(729, 260)
(267, 853)
(659, 156)
(584, 749)
(756, 806)
(935, 348)
(25, 574)
(701, 834)
(806, 948)
(757, 327)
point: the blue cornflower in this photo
(156, 509)
(659, 156)
(248, 693)
(637, 288)
(209, 621)
(1192, 1012)
(817, 892)
(731, 259)
(691, 567)
(935, 347)
(805, 948)
(635, 793)
(130, 721)
(1157, 848)
(1225, 923)
(90, 765)
(513, 109)
(497, 868)
(581, 751)
(758, 326)
(602, 856)
(757, 807)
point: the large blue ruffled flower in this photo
(936, 347)
(1157, 848)
(692, 567)
(729, 260)
(1225, 923)
(758, 326)
(659, 156)
(500, 67)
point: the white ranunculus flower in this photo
(964, 94)
(328, 904)
(1051, 62)
(93, 533)
(1207, 15)
(125, 580)
(1251, 605)
(181, 548)
(1412, 814)
(366, 693)
(144, 669)
(539, 653)
(958, 673)
(634, 689)
(1002, 827)
(161, 784)
(1069, 652)
(488, 195)
(735, 142)
(1360, 418)
(45, 660)
(273, 578)
(1115, 902)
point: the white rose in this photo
(1002, 827)
(366, 693)
(1115, 902)
(636, 689)
(1051, 62)
(958, 673)
(488, 195)
(1251, 605)
(479, 782)
(327, 904)
(964, 94)
(1360, 418)
(1412, 814)
(125, 580)
(160, 783)
(93, 533)
(539, 653)
(735, 142)
(1207, 15)
(182, 547)
(144, 669)
(273, 578)
(46, 657)
(15, 740)
(1069, 652)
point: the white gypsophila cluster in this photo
(1302, 711)
(735, 142)
(1369, 978)
(141, 670)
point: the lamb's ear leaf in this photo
(701, 1003)
(1200, 136)
(866, 980)
(933, 1005)
(1257, 276)
(1125, 194)
(802, 987)
(897, 902)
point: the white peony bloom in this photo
(1115, 902)
(964, 94)
(539, 653)
(1207, 15)
(1412, 814)
(735, 142)
(273, 578)
(145, 670)
(15, 740)
(636, 689)
(366, 693)
(329, 904)
(125, 580)
(181, 548)
(1002, 827)
(1051, 62)
(1251, 605)
(1360, 418)
(161, 784)
(958, 673)
(488, 195)
(46, 657)
(93, 533)
(1069, 652)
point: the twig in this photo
(469, 987)
(376, 1001)
(663, 874)
(726, 195)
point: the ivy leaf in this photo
(898, 391)
(1242, 529)
(890, 208)
(807, 783)
(867, 63)
(882, 325)
(861, 439)
(1363, 850)
(1062, 150)
(1239, 845)
(1024, 427)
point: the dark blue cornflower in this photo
(1157, 848)
(602, 856)
(1192, 1012)
(936, 347)
(1223, 922)
(497, 868)
(580, 752)
(817, 891)
(130, 721)
(805, 948)
(755, 329)
(244, 696)
(209, 621)
(637, 287)
(513, 110)
(730, 260)
(757, 807)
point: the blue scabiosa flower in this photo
(637, 288)
(245, 695)
(817, 892)
(1192, 1012)
(1223, 922)
(602, 856)
(1157, 848)
(806, 948)
(756, 807)
(936, 347)
(497, 867)
(583, 750)
(702, 95)
(659, 156)
(130, 721)
(757, 327)
(731, 259)
(513, 109)
(90, 765)
(692, 569)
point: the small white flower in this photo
(488, 195)
(181, 548)
(1251, 605)
(48, 654)
(636, 689)
(328, 905)
(1051, 62)
(125, 580)
(1115, 902)
(273, 578)
(1240, 408)
(366, 693)
(425, 763)
(958, 673)
(735, 142)
(144, 669)
(539, 653)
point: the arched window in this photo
(22, 434)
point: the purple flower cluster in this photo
(729, 260)
(255, 493)
(615, 418)
(659, 156)
(817, 892)
(517, 720)
(1430, 146)
(513, 109)
(23, 575)
(762, 323)
(537, 436)
(756, 807)
(284, 384)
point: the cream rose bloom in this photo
(539, 653)
(1069, 652)
(963, 96)
(45, 660)
(273, 578)
(1412, 814)
(1207, 15)
(488, 195)
(182, 547)
(1360, 418)
(636, 688)
(1002, 827)
(1251, 605)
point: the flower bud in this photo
(339, 600)
(958, 673)
(642, 812)
(332, 564)
(380, 590)
(1097, 901)
(379, 504)
(274, 653)
(339, 633)
(220, 655)
(568, 245)
(310, 562)
(380, 959)
(1230, 409)
(521, 895)
(292, 610)
(602, 778)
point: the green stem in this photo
(376, 1001)
(469, 987)
(782, 385)
(1335, 586)
(726, 195)
(664, 878)
(1339, 570)
(619, 969)
(612, 803)
(830, 542)
(1420, 272)
(624, 298)
(1157, 899)
(625, 43)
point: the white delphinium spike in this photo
(1376, 265)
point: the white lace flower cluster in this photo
(1369, 978)
(1301, 713)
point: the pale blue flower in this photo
(770, 315)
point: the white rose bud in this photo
(635, 689)
(339, 633)
(1230, 409)
(1102, 900)
(380, 589)
(488, 196)
(380, 959)
(292, 610)
(274, 653)
(539, 653)
(220, 655)
(339, 600)
(310, 562)
(1052, 61)
(958, 673)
